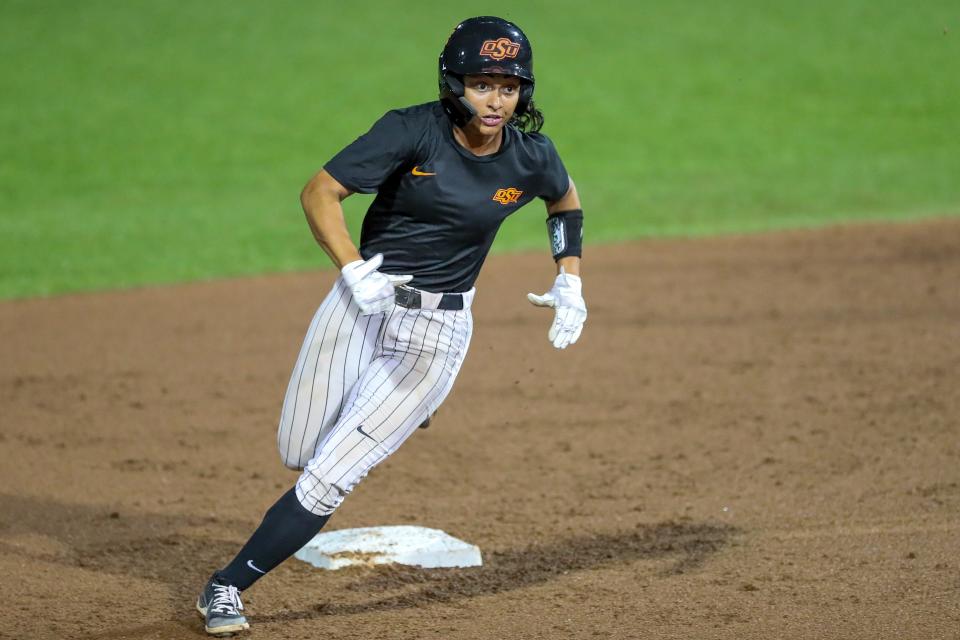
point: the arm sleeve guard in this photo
(566, 233)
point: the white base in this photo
(416, 546)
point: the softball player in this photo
(385, 346)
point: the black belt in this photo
(412, 299)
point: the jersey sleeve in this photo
(554, 179)
(366, 163)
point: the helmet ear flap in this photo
(526, 94)
(453, 83)
(457, 107)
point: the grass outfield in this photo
(148, 142)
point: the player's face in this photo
(495, 99)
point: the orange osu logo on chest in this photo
(507, 196)
(500, 48)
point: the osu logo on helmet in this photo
(500, 48)
(507, 196)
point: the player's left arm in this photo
(565, 224)
(569, 202)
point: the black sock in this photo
(286, 527)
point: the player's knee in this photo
(318, 494)
(293, 462)
(293, 465)
(293, 459)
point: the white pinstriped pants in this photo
(361, 386)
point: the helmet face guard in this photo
(484, 45)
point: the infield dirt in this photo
(756, 437)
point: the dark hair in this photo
(531, 121)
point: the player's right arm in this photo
(360, 167)
(321, 199)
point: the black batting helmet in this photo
(484, 45)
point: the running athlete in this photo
(385, 345)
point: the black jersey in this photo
(438, 206)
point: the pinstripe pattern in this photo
(384, 374)
(329, 365)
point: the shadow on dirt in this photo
(688, 544)
(150, 546)
(156, 547)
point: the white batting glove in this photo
(571, 310)
(372, 290)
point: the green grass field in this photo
(148, 142)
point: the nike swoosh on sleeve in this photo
(416, 171)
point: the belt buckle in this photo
(407, 297)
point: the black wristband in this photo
(566, 233)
